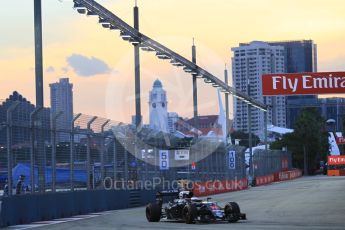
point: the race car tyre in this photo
(189, 213)
(232, 212)
(153, 212)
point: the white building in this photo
(249, 63)
(172, 119)
(61, 100)
(158, 108)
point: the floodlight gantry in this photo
(130, 34)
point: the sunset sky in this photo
(100, 64)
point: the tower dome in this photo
(157, 84)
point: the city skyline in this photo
(112, 83)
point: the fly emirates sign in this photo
(303, 83)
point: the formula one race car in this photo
(183, 206)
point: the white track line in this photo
(56, 221)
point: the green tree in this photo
(309, 137)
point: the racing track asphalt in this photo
(307, 203)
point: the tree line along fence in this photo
(90, 153)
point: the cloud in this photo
(65, 69)
(50, 69)
(335, 64)
(87, 67)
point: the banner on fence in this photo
(215, 187)
(340, 140)
(193, 166)
(182, 155)
(262, 180)
(336, 160)
(232, 159)
(163, 159)
(285, 164)
(147, 154)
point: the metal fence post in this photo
(115, 162)
(53, 140)
(251, 163)
(88, 152)
(32, 152)
(265, 125)
(103, 149)
(126, 166)
(71, 166)
(9, 146)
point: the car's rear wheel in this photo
(189, 213)
(232, 212)
(153, 212)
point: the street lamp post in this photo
(226, 106)
(137, 71)
(251, 161)
(195, 91)
(38, 52)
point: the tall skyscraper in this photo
(333, 108)
(300, 56)
(21, 117)
(158, 108)
(61, 100)
(249, 63)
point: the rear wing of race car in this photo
(166, 195)
(169, 193)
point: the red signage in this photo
(215, 187)
(285, 164)
(340, 141)
(336, 160)
(303, 83)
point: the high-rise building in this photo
(333, 108)
(249, 63)
(158, 108)
(21, 120)
(21, 129)
(300, 56)
(61, 100)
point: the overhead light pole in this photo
(132, 35)
(226, 104)
(38, 52)
(251, 162)
(195, 90)
(137, 70)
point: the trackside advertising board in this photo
(303, 83)
(336, 160)
(340, 140)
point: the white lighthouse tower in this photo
(158, 108)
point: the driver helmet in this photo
(184, 194)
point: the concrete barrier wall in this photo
(216, 187)
(263, 180)
(40, 207)
(287, 175)
(278, 176)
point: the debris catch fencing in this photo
(91, 153)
